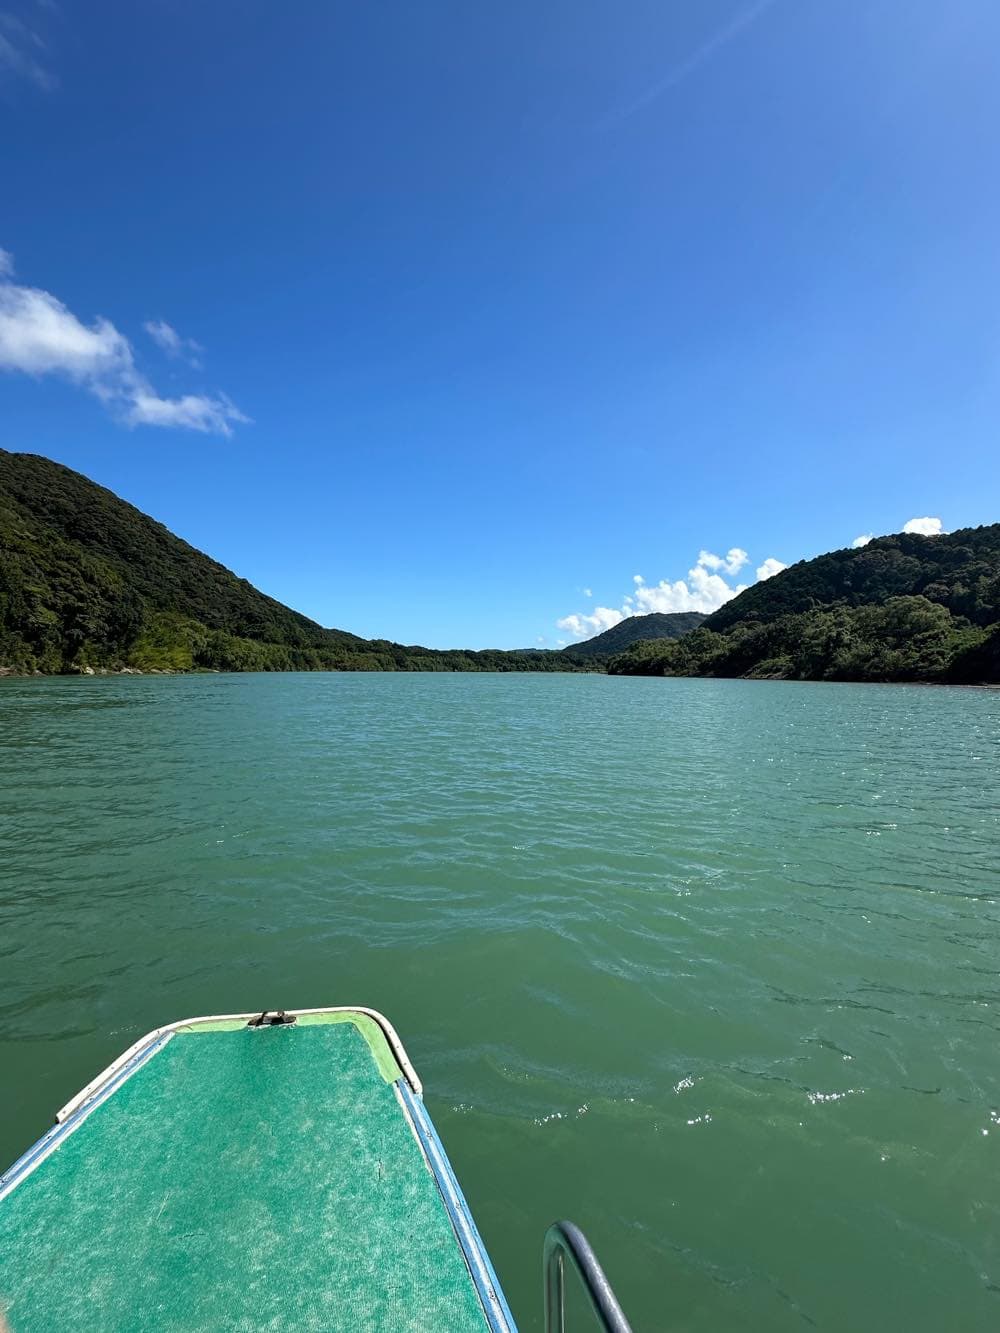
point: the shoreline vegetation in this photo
(93, 673)
(91, 586)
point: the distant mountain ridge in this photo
(903, 608)
(88, 582)
(656, 625)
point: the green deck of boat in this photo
(247, 1179)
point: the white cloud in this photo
(584, 626)
(704, 589)
(925, 527)
(769, 568)
(6, 264)
(39, 335)
(731, 563)
(588, 592)
(700, 591)
(170, 341)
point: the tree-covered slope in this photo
(87, 580)
(82, 565)
(959, 570)
(903, 608)
(657, 625)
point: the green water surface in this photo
(710, 967)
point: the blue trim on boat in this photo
(48, 1143)
(494, 1303)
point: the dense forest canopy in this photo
(903, 608)
(88, 581)
(959, 570)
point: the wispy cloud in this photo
(11, 23)
(170, 341)
(20, 54)
(683, 69)
(39, 335)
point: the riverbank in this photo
(12, 672)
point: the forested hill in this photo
(657, 625)
(902, 608)
(88, 581)
(959, 570)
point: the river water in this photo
(709, 967)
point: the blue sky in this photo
(442, 322)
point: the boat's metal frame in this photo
(565, 1241)
(491, 1295)
(168, 1029)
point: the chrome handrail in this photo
(564, 1240)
